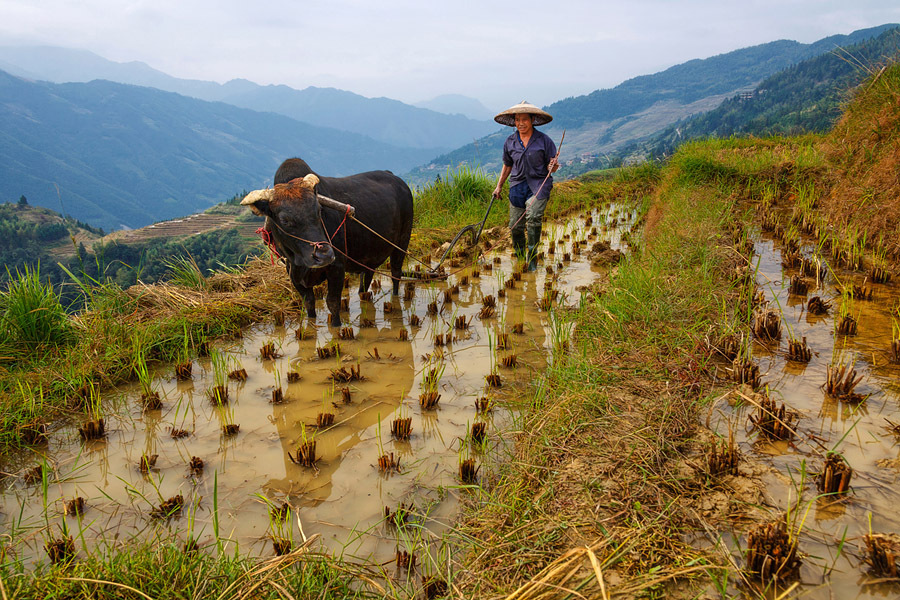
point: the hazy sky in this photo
(414, 50)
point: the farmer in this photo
(529, 156)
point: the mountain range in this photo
(122, 156)
(606, 121)
(806, 97)
(382, 119)
(150, 146)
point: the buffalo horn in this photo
(338, 206)
(268, 195)
(257, 195)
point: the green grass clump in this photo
(33, 319)
(459, 198)
(184, 271)
(170, 571)
(48, 366)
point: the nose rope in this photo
(318, 246)
(269, 240)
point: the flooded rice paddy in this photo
(244, 472)
(859, 426)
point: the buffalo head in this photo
(295, 220)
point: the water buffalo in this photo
(306, 219)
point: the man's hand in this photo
(554, 165)
(496, 194)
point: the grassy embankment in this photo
(609, 469)
(609, 465)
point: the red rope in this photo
(268, 241)
(346, 214)
(331, 236)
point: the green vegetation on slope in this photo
(864, 149)
(125, 264)
(27, 231)
(807, 97)
(33, 238)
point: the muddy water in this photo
(856, 430)
(343, 498)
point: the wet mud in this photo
(832, 518)
(357, 429)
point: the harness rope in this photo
(267, 238)
(270, 242)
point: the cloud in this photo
(411, 50)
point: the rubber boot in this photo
(534, 240)
(518, 241)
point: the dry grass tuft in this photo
(840, 382)
(745, 371)
(401, 428)
(771, 421)
(766, 325)
(799, 350)
(722, 457)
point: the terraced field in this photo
(187, 226)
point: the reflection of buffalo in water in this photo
(349, 470)
(320, 245)
(388, 380)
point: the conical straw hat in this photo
(508, 116)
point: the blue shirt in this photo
(530, 164)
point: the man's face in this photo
(524, 124)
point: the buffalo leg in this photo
(365, 280)
(397, 257)
(310, 301)
(333, 299)
(305, 291)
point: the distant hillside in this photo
(807, 97)
(383, 119)
(605, 121)
(388, 121)
(698, 79)
(35, 237)
(31, 233)
(458, 104)
(118, 156)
